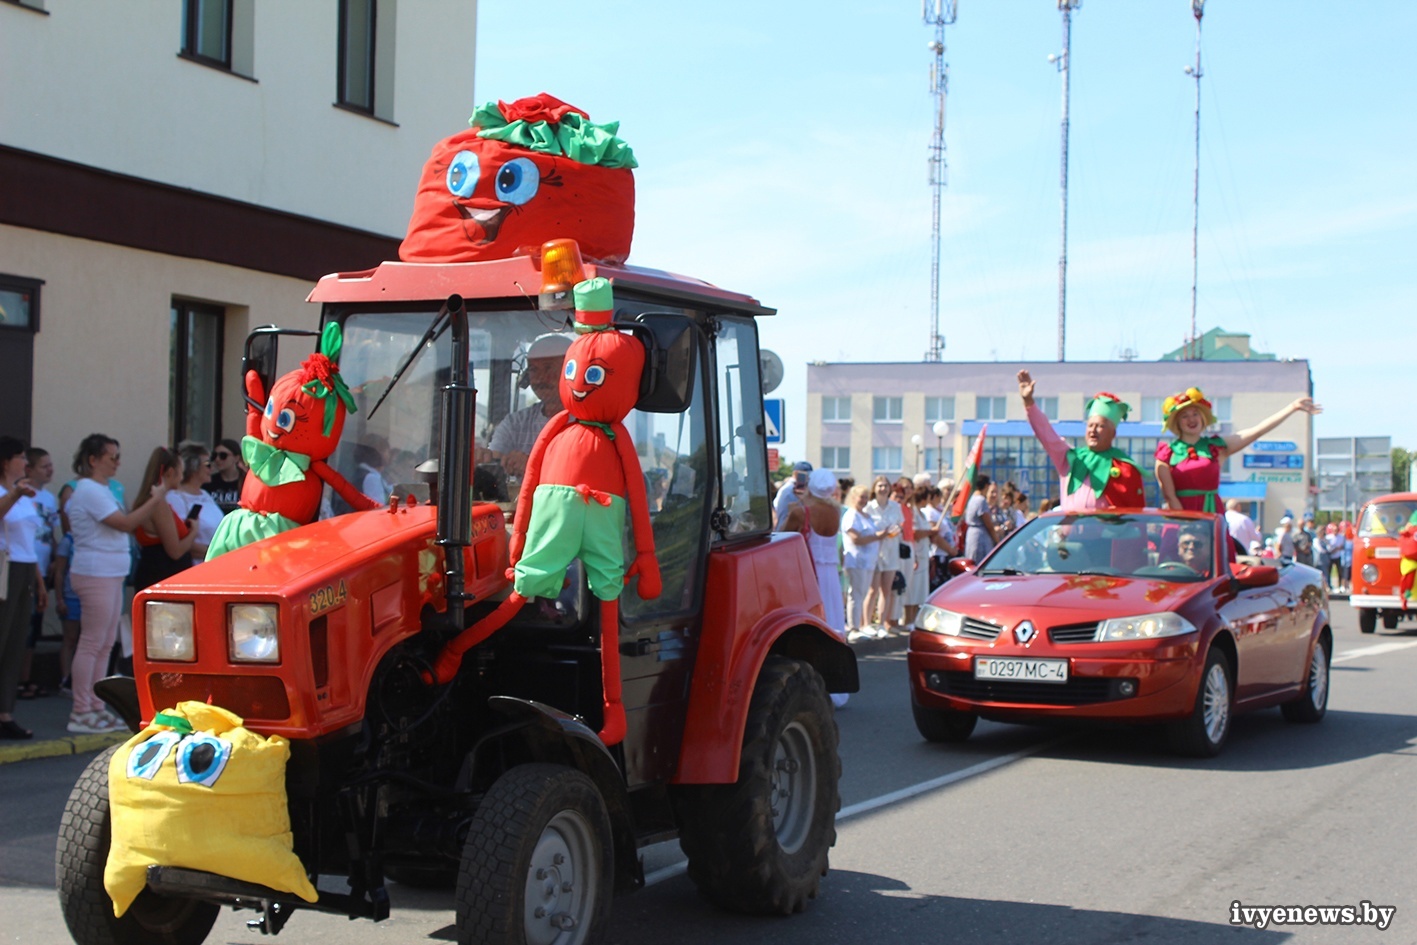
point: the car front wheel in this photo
(943, 725)
(1202, 734)
(1312, 703)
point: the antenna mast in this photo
(1064, 64)
(1193, 351)
(942, 15)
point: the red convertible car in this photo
(1143, 616)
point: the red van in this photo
(1376, 561)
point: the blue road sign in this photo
(1274, 446)
(773, 416)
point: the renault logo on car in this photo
(1024, 632)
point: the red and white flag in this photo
(971, 468)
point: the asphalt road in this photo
(1020, 835)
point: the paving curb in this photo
(55, 747)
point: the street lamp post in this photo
(916, 439)
(941, 429)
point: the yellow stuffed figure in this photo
(195, 789)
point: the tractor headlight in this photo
(168, 632)
(1146, 627)
(938, 620)
(251, 633)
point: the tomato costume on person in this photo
(1195, 468)
(582, 478)
(526, 172)
(1407, 567)
(285, 448)
(1092, 478)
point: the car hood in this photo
(1073, 596)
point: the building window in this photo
(206, 31)
(836, 409)
(886, 461)
(989, 408)
(366, 57)
(19, 303)
(836, 458)
(194, 392)
(356, 54)
(933, 460)
(1049, 406)
(939, 408)
(1222, 409)
(1151, 409)
(887, 409)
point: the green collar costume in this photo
(1093, 467)
(1204, 448)
(274, 467)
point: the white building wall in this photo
(101, 84)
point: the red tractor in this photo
(496, 783)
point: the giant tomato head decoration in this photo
(306, 408)
(527, 171)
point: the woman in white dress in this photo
(888, 518)
(860, 545)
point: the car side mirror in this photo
(958, 566)
(1256, 575)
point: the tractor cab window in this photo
(743, 464)
(383, 443)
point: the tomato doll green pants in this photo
(569, 522)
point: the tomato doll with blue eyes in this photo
(581, 480)
(525, 172)
(285, 449)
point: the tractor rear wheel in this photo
(760, 845)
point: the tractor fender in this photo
(546, 734)
(719, 700)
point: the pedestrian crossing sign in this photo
(772, 419)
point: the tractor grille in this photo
(980, 630)
(1079, 690)
(1078, 633)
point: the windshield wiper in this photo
(431, 334)
(1008, 571)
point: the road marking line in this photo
(893, 797)
(1374, 650)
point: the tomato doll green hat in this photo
(1109, 407)
(595, 305)
(1190, 397)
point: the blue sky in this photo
(783, 145)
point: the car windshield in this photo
(1134, 544)
(1386, 519)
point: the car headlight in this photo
(1370, 574)
(251, 633)
(167, 627)
(1145, 627)
(939, 620)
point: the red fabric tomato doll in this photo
(582, 478)
(285, 449)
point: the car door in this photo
(1300, 602)
(1257, 620)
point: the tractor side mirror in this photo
(670, 358)
(261, 353)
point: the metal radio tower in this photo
(1193, 350)
(941, 16)
(1063, 61)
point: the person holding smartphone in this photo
(192, 501)
(790, 493)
